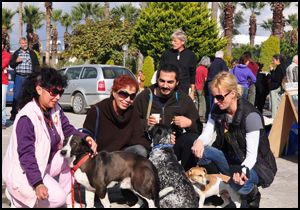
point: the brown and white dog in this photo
(207, 185)
(133, 171)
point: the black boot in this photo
(252, 199)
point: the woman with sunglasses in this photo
(241, 148)
(33, 159)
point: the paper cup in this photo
(157, 117)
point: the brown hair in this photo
(124, 81)
(227, 81)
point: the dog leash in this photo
(73, 170)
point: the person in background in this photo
(33, 161)
(201, 76)
(241, 148)
(292, 70)
(176, 109)
(262, 89)
(277, 75)
(216, 66)
(24, 61)
(243, 75)
(254, 68)
(234, 63)
(5, 61)
(141, 80)
(184, 59)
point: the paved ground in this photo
(283, 193)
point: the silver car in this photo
(88, 84)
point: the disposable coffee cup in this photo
(157, 117)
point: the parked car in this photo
(88, 84)
(10, 87)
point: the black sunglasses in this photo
(221, 98)
(54, 91)
(123, 94)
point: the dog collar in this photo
(161, 146)
(80, 162)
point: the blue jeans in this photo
(212, 154)
(18, 87)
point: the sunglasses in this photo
(54, 91)
(123, 94)
(221, 98)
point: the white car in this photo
(88, 84)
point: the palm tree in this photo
(89, 9)
(48, 6)
(33, 15)
(214, 10)
(255, 8)
(125, 12)
(7, 16)
(66, 21)
(293, 22)
(55, 17)
(20, 19)
(106, 10)
(267, 25)
(229, 8)
(278, 18)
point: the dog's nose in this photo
(63, 152)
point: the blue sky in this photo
(67, 6)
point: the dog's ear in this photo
(204, 169)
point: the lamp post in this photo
(124, 48)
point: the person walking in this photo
(201, 76)
(292, 70)
(24, 61)
(32, 162)
(184, 59)
(141, 80)
(5, 61)
(241, 148)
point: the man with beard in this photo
(176, 109)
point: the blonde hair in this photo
(227, 81)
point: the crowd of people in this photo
(183, 96)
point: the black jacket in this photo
(216, 66)
(186, 61)
(34, 60)
(183, 105)
(233, 143)
(277, 76)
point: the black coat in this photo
(34, 60)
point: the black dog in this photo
(170, 172)
(134, 172)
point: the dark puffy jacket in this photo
(233, 144)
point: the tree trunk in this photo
(252, 29)
(140, 61)
(48, 6)
(20, 19)
(54, 43)
(228, 29)
(66, 40)
(214, 10)
(106, 10)
(278, 19)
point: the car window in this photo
(89, 73)
(61, 71)
(108, 73)
(113, 72)
(73, 73)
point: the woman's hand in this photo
(182, 121)
(41, 192)
(198, 148)
(92, 144)
(173, 138)
(239, 179)
(151, 120)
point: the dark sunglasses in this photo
(221, 98)
(123, 94)
(54, 91)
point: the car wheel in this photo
(79, 104)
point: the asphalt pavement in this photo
(283, 193)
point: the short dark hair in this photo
(169, 68)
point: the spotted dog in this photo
(170, 172)
(134, 172)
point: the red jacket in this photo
(201, 76)
(5, 61)
(254, 67)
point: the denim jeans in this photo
(18, 87)
(212, 154)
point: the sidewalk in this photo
(283, 193)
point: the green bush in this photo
(110, 62)
(148, 70)
(237, 52)
(269, 48)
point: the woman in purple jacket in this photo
(243, 75)
(32, 159)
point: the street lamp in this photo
(124, 48)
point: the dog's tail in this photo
(165, 191)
